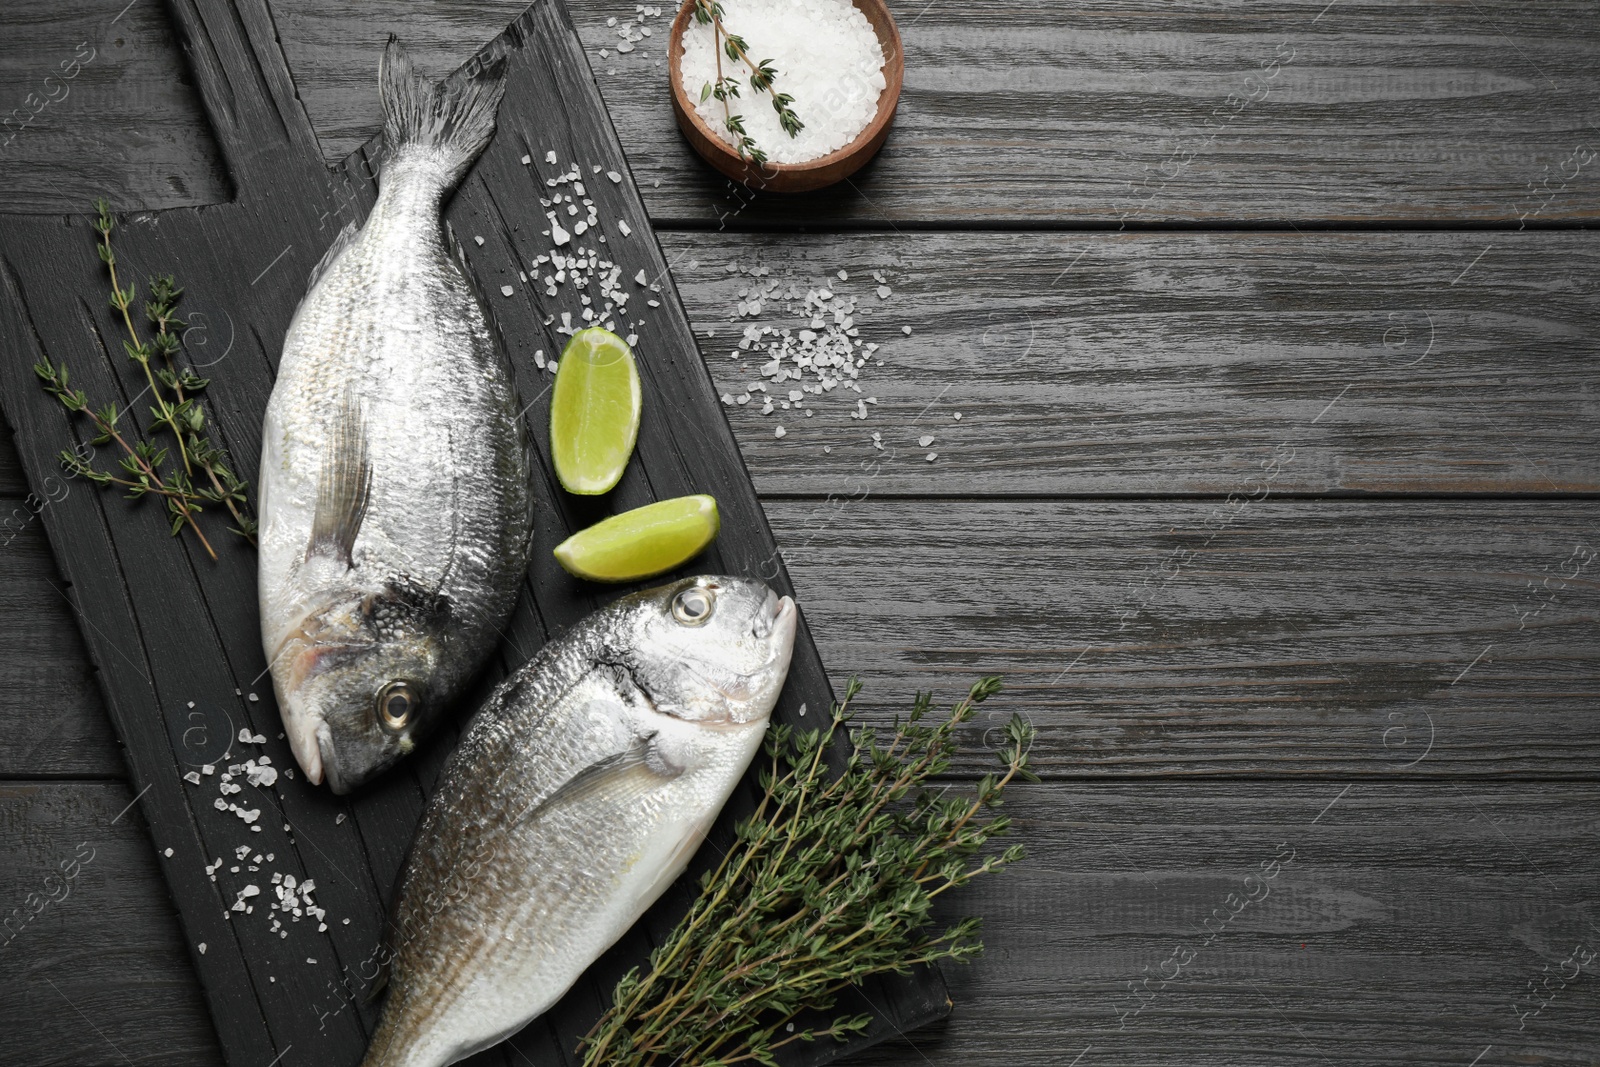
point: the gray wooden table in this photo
(1272, 332)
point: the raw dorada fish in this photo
(577, 795)
(396, 502)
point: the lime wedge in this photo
(594, 412)
(642, 542)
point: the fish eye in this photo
(694, 605)
(396, 703)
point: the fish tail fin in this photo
(454, 119)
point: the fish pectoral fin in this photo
(619, 777)
(344, 487)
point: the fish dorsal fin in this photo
(344, 240)
(344, 487)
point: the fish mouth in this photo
(776, 626)
(784, 622)
(328, 760)
(305, 735)
(778, 614)
(300, 661)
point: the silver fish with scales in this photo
(577, 795)
(395, 488)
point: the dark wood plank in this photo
(1306, 638)
(1035, 111)
(1168, 363)
(1284, 638)
(55, 722)
(105, 107)
(1406, 930)
(1424, 910)
(96, 971)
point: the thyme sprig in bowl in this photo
(736, 160)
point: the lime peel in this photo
(594, 412)
(643, 542)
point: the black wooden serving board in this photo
(174, 637)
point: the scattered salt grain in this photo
(193, 777)
(338, 819)
(925, 440)
(550, 157)
(253, 698)
(627, 231)
(478, 239)
(779, 432)
(844, 276)
(932, 456)
(883, 292)
(168, 853)
(906, 330)
(506, 290)
(957, 416)
(828, 58)
(202, 948)
(614, 176)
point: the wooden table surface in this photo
(1274, 494)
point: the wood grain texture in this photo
(1282, 638)
(1037, 112)
(104, 106)
(54, 719)
(1404, 929)
(175, 636)
(1168, 363)
(1308, 638)
(96, 971)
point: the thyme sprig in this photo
(174, 408)
(726, 87)
(829, 882)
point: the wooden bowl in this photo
(792, 177)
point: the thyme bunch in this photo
(762, 76)
(174, 408)
(828, 883)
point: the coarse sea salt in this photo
(828, 59)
